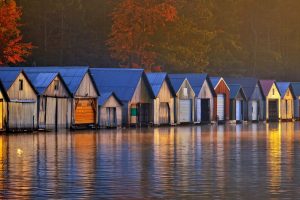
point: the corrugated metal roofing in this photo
(71, 75)
(176, 82)
(266, 86)
(247, 83)
(41, 81)
(105, 96)
(121, 81)
(283, 87)
(156, 81)
(234, 90)
(296, 88)
(196, 80)
(8, 75)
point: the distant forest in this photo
(222, 37)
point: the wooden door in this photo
(85, 111)
(185, 110)
(238, 110)
(164, 113)
(221, 106)
(205, 111)
(254, 110)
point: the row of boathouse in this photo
(49, 98)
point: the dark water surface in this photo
(251, 161)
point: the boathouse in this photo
(110, 110)
(296, 91)
(287, 100)
(184, 101)
(83, 106)
(53, 99)
(22, 107)
(131, 86)
(204, 96)
(4, 99)
(237, 101)
(222, 99)
(253, 108)
(272, 98)
(163, 102)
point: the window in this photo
(273, 91)
(185, 92)
(21, 84)
(56, 84)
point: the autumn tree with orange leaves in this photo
(12, 48)
(134, 24)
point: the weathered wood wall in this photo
(206, 93)
(110, 103)
(141, 95)
(164, 96)
(85, 91)
(3, 112)
(22, 114)
(256, 96)
(222, 89)
(180, 95)
(287, 106)
(273, 96)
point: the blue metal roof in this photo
(72, 75)
(214, 80)
(196, 80)
(41, 81)
(121, 81)
(176, 82)
(247, 83)
(283, 87)
(156, 81)
(105, 96)
(234, 90)
(296, 88)
(8, 75)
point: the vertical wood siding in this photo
(271, 96)
(110, 103)
(206, 93)
(222, 89)
(287, 106)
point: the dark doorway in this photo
(205, 110)
(143, 114)
(273, 110)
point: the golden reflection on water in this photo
(274, 156)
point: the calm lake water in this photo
(189, 162)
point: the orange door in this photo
(84, 111)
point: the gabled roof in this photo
(176, 82)
(283, 88)
(247, 83)
(8, 75)
(72, 75)
(215, 80)
(105, 96)
(121, 81)
(156, 81)
(235, 89)
(3, 91)
(42, 80)
(196, 80)
(296, 88)
(266, 86)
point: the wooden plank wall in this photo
(110, 103)
(271, 96)
(206, 93)
(3, 111)
(222, 89)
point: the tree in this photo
(12, 48)
(135, 22)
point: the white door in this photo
(254, 110)
(185, 111)
(238, 110)
(198, 110)
(221, 106)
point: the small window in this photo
(56, 84)
(288, 93)
(273, 91)
(21, 84)
(185, 92)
